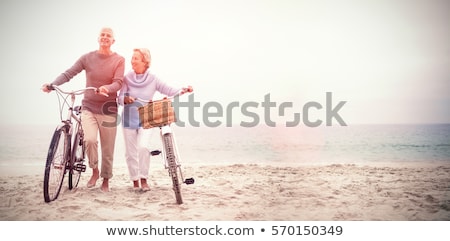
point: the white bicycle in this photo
(160, 114)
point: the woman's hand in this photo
(128, 100)
(185, 90)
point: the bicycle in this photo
(67, 151)
(160, 114)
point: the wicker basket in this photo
(156, 114)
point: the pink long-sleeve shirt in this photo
(101, 70)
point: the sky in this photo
(389, 60)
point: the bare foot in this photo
(93, 180)
(105, 185)
(144, 185)
(136, 184)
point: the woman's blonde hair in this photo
(146, 57)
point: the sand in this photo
(247, 192)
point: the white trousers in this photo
(137, 152)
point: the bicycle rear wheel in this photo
(55, 167)
(173, 167)
(77, 165)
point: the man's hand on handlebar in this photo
(46, 88)
(102, 90)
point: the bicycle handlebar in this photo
(170, 97)
(187, 90)
(74, 92)
(65, 101)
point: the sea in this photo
(27, 145)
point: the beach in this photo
(243, 192)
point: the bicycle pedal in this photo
(189, 181)
(80, 167)
(155, 152)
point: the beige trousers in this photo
(105, 127)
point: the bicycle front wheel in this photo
(173, 167)
(77, 165)
(55, 167)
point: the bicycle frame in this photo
(72, 114)
(72, 111)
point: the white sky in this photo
(390, 60)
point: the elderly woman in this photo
(139, 83)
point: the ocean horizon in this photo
(27, 145)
